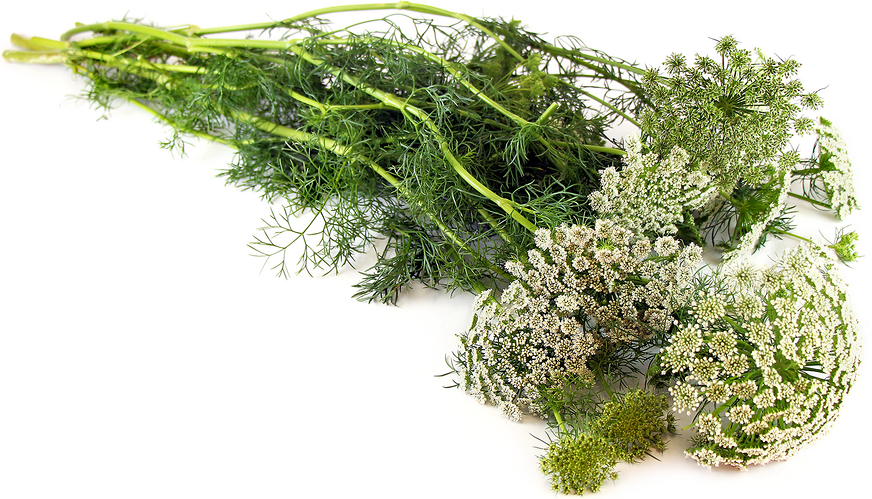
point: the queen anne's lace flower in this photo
(650, 194)
(837, 174)
(581, 288)
(780, 374)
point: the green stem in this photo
(723, 406)
(34, 57)
(810, 200)
(342, 150)
(493, 223)
(404, 107)
(559, 420)
(808, 171)
(157, 33)
(614, 109)
(296, 135)
(37, 44)
(609, 150)
(580, 57)
(325, 108)
(188, 131)
(413, 7)
(735, 325)
(779, 231)
(586, 60)
(137, 63)
(548, 112)
(601, 380)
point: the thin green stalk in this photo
(586, 60)
(575, 55)
(177, 38)
(325, 108)
(810, 200)
(808, 171)
(613, 108)
(125, 26)
(559, 420)
(168, 121)
(735, 325)
(34, 57)
(604, 149)
(608, 150)
(548, 112)
(510, 207)
(281, 131)
(779, 231)
(602, 381)
(413, 7)
(136, 63)
(493, 223)
(37, 43)
(346, 151)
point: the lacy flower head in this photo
(764, 358)
(581, 289)
(733, 114)
(828, 178)
(650, 194)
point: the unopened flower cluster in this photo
(766, 357)
(635, 423)
(629, 426)
(578, 463)
(650, 194)
(581, 288)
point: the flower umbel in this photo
(581, 291)
(772, 380)
(649, 194)
(733, 114)
(828, 178)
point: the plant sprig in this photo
(442, 145)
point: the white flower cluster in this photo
(767, 359)
(749, 241)
(650, 194)
(580, 289)
(838, 178)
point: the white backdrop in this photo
(143, 354)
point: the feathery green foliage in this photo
(441, 140)
(471, 154)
